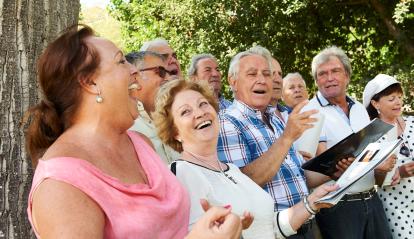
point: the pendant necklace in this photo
(404, 148)
(197, 157)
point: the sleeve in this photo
(231, 145)
(197, 186)
(282, 227)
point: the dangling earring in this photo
(179, 140)
(378, 111)
(99, 98)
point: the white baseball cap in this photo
(376, 85)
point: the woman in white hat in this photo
(383, 98)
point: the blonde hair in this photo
(162, 115)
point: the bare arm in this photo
(267, 165)
(60, 210)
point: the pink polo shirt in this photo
(157, 210)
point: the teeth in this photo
(205, 123)
(133, 86)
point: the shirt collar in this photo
(324, 102)
(249, 111)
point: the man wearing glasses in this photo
(161, 46)
(152, 74)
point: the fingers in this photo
(205, 204)
(231, 226)
(299, 107)
(246, 220)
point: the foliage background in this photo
(376, 34)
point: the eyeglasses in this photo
(161, 71)
(167, 55)
(404, 150)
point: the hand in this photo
(407, 170)
(387, 165)
(246, 219)
(396, 178)
(299, 122)
(217, 222)
(306, 156)
(320, 192)
(341, 166)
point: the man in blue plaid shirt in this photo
(259, 142)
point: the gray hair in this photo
(192, 70)
(326, 54)
(254, 51)
(153, 43)
(293, 75)
(137, 58)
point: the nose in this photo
(215, 72)
(133, 69)
(198, 112)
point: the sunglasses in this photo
(161, 71)
(404, 150)
(167, 55)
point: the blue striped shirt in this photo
(244, 137)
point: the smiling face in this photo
(294, 91)
(332, 79)
(277, 81)
(207, 70)
(390, 105)
(116, 80)
(195, 120)
(150, 81)
(173, 65)
(253, 84)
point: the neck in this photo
(389, 120)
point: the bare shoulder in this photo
(60, 210)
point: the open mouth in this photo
(298, 97)
(204, 124)
(261, 92)
(133, 90)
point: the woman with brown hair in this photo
(93, 178)
(186, 119)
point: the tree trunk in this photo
(26, 26)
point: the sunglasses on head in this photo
(404, 150)
(161, 71)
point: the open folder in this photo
(351, 146)
(373, 155)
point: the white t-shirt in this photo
(244, 195)
(338, 126)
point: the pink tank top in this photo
(157, 210)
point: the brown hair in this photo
(372, 112)
(65, 62)
(162, 116)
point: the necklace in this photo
(197, 157)
(405, 149)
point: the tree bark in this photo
(26, 26)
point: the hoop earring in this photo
(99, 98)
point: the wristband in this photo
(308, 207)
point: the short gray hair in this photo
(137, 58)
(293, 75)
(192, 70)
(254, 51)
(326, 54)
(153, 43)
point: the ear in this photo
(88, 85)
(233, 83)
(375, 104)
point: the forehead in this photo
(104, 47)
(276, 65)
(294, 81)
(253, 62)
(207, 62)
(162, 49)
(181, 98)
(153, 60)
(332, 63)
